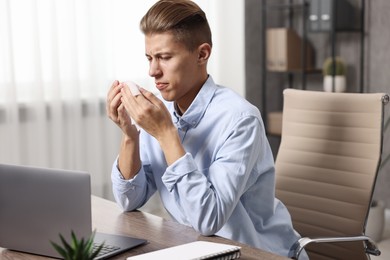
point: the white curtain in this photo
(57, 60)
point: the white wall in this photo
(227, 62)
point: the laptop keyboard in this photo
(106, 249)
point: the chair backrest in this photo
(327, 164)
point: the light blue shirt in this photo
(225, 183)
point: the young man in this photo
(202, 147)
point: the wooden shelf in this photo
(274, 120)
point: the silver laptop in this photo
(38, 204)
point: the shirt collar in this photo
(198, 107)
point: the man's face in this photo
(177, 72)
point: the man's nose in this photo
(154, 68)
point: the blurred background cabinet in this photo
(328, 15)
(292, 33)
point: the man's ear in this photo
(204, 51)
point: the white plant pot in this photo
(340, 83)
(376, 221)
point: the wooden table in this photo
(160, 233)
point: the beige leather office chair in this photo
(326, 169)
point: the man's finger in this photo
(151, 97)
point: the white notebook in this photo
(192, 251)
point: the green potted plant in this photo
(77, 249)
(337, 77)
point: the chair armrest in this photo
(371, 247)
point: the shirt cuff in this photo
(177, 170)
(122, 185)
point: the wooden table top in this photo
(160, 233)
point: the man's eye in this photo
(165, 57)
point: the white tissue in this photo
(134, 88)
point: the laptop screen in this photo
(38, 204)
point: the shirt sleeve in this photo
(208, 196)
(135, 188)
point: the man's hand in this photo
(117, 112)
(129, 161)
(150, 113)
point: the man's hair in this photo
(185, 19)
